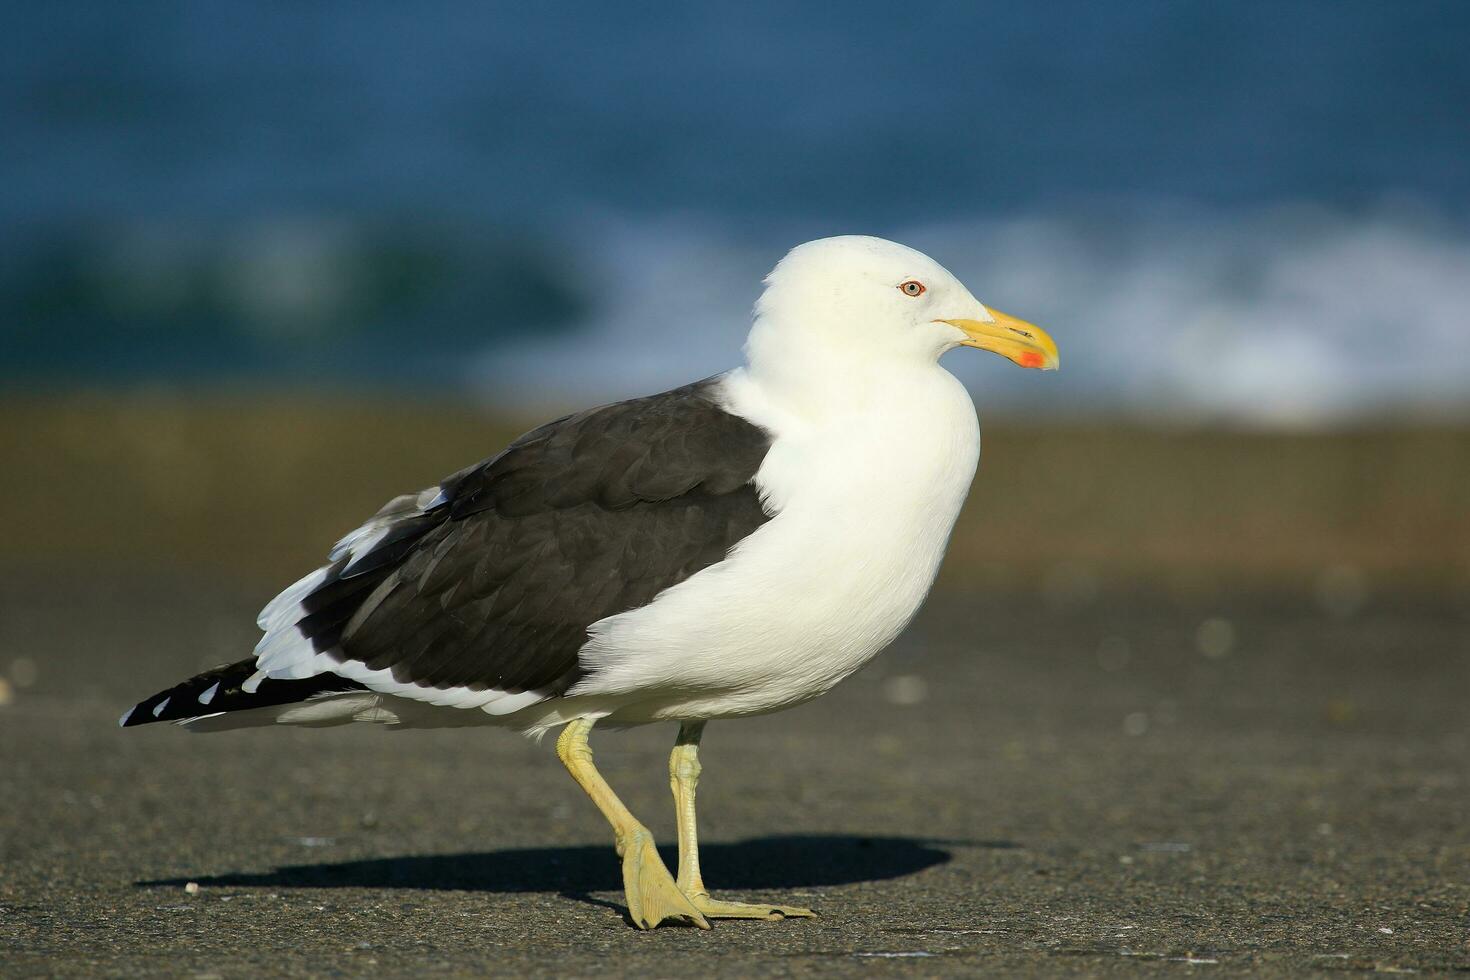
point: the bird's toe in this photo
(717, 909)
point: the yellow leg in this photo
(684, 772)
(652, 895)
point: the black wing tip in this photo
(152, 709)
(222, 690)
(175, 704)
(187, 699)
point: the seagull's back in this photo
(480, 593)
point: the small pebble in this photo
(1069, 587)
(1215, 638)
(1341, 590)
(906, 690)
(23, 671)
(192, 888)
(1113, 653)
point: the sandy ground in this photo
(1112, 784)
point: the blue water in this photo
(1250, 210)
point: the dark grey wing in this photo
(493, 582)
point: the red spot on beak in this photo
(1031, 359)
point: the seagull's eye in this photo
(913, 287)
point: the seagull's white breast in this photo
(864, 499)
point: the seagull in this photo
(730, 548)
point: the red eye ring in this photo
(912, 288)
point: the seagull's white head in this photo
(870, 298)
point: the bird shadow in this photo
(776, 863)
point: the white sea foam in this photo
(1284, 316)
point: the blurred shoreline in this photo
(255, 490)
(1285, 313)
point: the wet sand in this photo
(1255, 786)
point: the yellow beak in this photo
(1024, 343)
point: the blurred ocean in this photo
(1254, 211)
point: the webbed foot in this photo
(652, 896)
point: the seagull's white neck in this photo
(798, 378)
